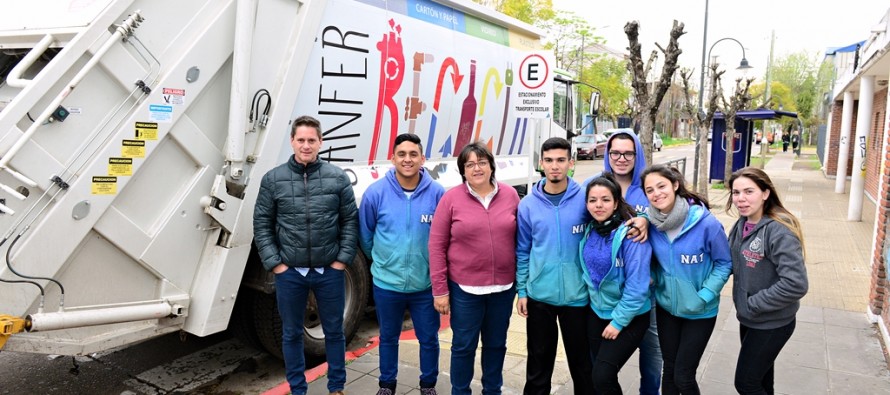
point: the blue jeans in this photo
(650, 358)
(292, 291)
(391, 307)
(472, 315)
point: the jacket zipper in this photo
(308, 227)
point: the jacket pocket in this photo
(609, 294)
(686, 299)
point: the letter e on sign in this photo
(534, 71)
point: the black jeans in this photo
(609, 356)
(754, 371)
(542, 340)
(682, 343)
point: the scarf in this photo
(672, 220)
(606, 227)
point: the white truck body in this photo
(148, 224)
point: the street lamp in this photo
(743, 65)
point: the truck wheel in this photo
(268, 323)
(241, 323)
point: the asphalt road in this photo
(216, 364)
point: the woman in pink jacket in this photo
(473, 265)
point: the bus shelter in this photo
(743, 139)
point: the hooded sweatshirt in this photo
(547, 240)
(634, 195)
(623, 293)
(770, 276)
(693, 267)
(394, 231)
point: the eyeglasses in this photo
(615, 155)
(470, 165)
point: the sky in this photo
(810, 26)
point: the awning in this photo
(760, 113)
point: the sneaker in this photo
(385, 391)
(428, 391)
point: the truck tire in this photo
(241, 323)
(268, 323)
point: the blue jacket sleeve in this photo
(637, 257)
(265, 214)
(367, 220)
(718, 248)
(523, 249)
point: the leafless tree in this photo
(739, 101)
(646, 101)
(702, 120)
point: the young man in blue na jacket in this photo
(624, 159)
(394, 227)
(549, 280)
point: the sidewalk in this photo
(834, 350)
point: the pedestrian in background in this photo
(786, 139)
(770, 276)
(394, 228)
(305, 227)
(694, 264)
(616, 271)
(473, 267)
(549, 281)
(795, 142)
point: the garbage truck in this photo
(134, 134)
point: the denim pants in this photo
(543, 337)
(472, 316)
(754, 372)
(683, 343)
(391, 307)
(609, 356)
(650, 358)
(292, 291)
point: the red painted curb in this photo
(320, 370)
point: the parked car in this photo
(656, 142)
(589, 146)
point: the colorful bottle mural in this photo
(467, 114)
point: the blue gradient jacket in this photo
(547, 247)
(394, 231)
(624, 291)
(692, 268)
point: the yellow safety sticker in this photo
(120, 166)
(104, 185)
(146, 130)
(133, 149)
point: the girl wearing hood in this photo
(694, 264)
(770, 276)
(616, 271)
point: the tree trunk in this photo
(729, 140)
(703, 160)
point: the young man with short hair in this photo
(394, 223)
(549, 278)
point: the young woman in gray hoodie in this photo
(769, 276)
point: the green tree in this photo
(611, 77)
(532, 12)
(799, 72)
(781, 96)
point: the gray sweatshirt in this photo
(769, 276)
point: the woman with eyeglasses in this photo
(694, 264)
(472, 249)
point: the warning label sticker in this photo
(174, 96)
(120, 166)
(104, 186)
(160, 113)
(146, 130)
(133, 149)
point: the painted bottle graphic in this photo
(467, 114)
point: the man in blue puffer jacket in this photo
(305, 226)
(394, 224)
